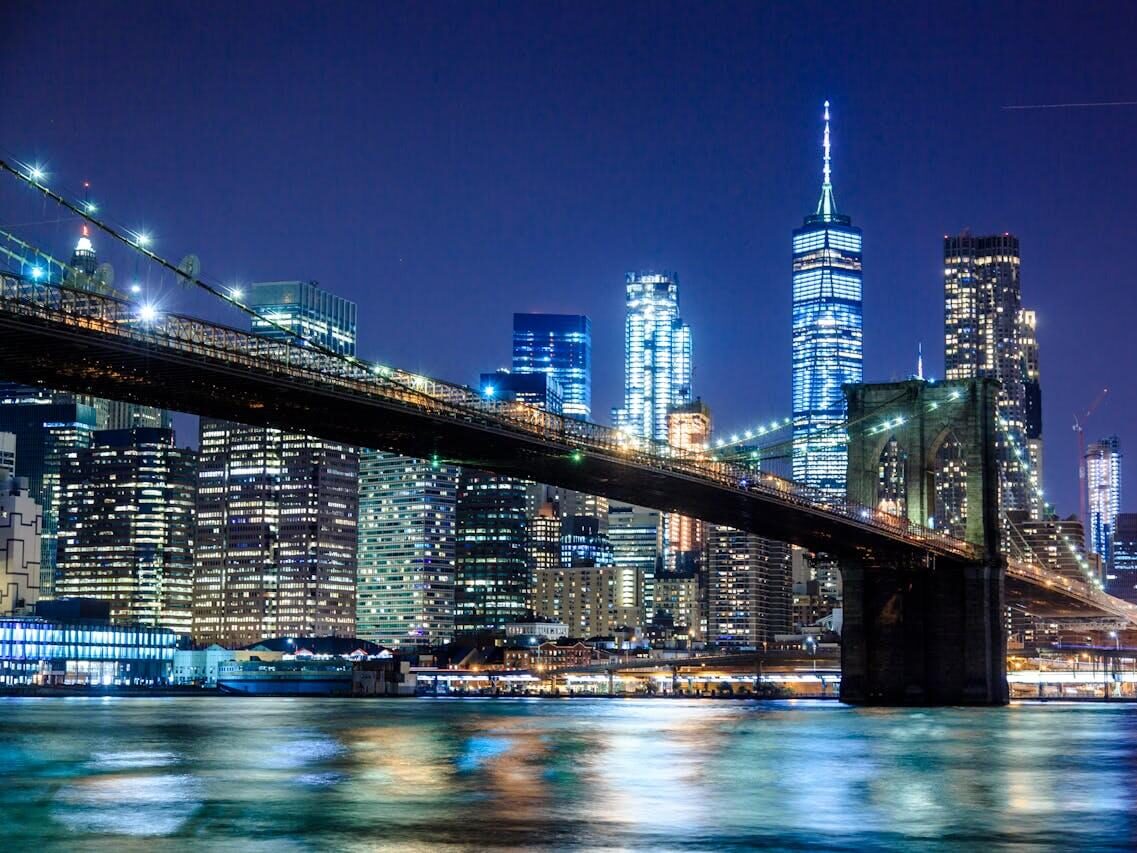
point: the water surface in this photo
(240, 773)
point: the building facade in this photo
(276, 535)
(689, 430)
(407, 551)
(560, 346)
(1103, 496)
(657, 355)
(494, 583)
(827, 336)
(46, 431)
(126, 524)
(987, 334)
(636, 536)
(1122, 578)
(290, 309)
(750, 597)
(21, 528)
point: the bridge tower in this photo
(926, 630)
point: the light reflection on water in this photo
(307, 774)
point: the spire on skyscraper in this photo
(83, 258)
(826, 206)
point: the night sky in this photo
(445, 165)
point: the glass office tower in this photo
(1103, 495)
(405, 579)
(305, 309)
(126, 522)
(827, 336)
(561, 346)
(657, 355)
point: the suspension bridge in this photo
(924, 610)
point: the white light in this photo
(236, 292)
(489, 390)
(142, 238)
(92, 207)
(36, 173)
(37, 273)
(148, 313)
(136, 288)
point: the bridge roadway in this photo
(90, 343)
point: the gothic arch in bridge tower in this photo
(919, 419)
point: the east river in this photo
(218, 773)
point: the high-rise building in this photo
(539, 390)
(126, 527)
(407, 542)
(21, 526)
(494, 585)
(1032, 409)
(1122, 580)
(276, 537)
(7, 456)
(751, 592)
(305, 309)
(678, 596)
(988, 335)
(582, 597)
(657, 355)
(1057, 544)
(827, 336)
(559, 345)
(636, 536)
(688, 429)
(46, 432)
(83, 258)
(1103, 495)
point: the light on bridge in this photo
(36, 172)
(236, 293)
(148, 313)
(141, 238)
(37, 273)
(489, 391)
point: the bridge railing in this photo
(108, 315)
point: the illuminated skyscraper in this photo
(306, 309)
(636, 534)
(559, 345)
(688, 428)
(827, 336)
(275, 537)
(126, 527)
(405, 579)
(1103, 493)
(657, 355)
(46, 431)
(984, 336)
(751, 590)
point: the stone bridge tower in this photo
(926, 630)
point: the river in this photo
(235, 773)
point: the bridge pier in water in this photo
(921, 629)
(923, 635)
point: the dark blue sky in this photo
(447, 164)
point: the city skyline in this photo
(735, 164)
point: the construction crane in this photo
(1079, 428)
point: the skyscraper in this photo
(984, 336)
(46, 432)
(657, 355)
(689, 429)
(276, 535)
(278, 511)
(494, 583)
(126, 526)
(827, 336)
(1122, 580)
(407, 541)
(1103, 495)
(751, 590)
(305, 309)
(636, 535)
(21, 526)
(1032, 408)
(559, 345)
